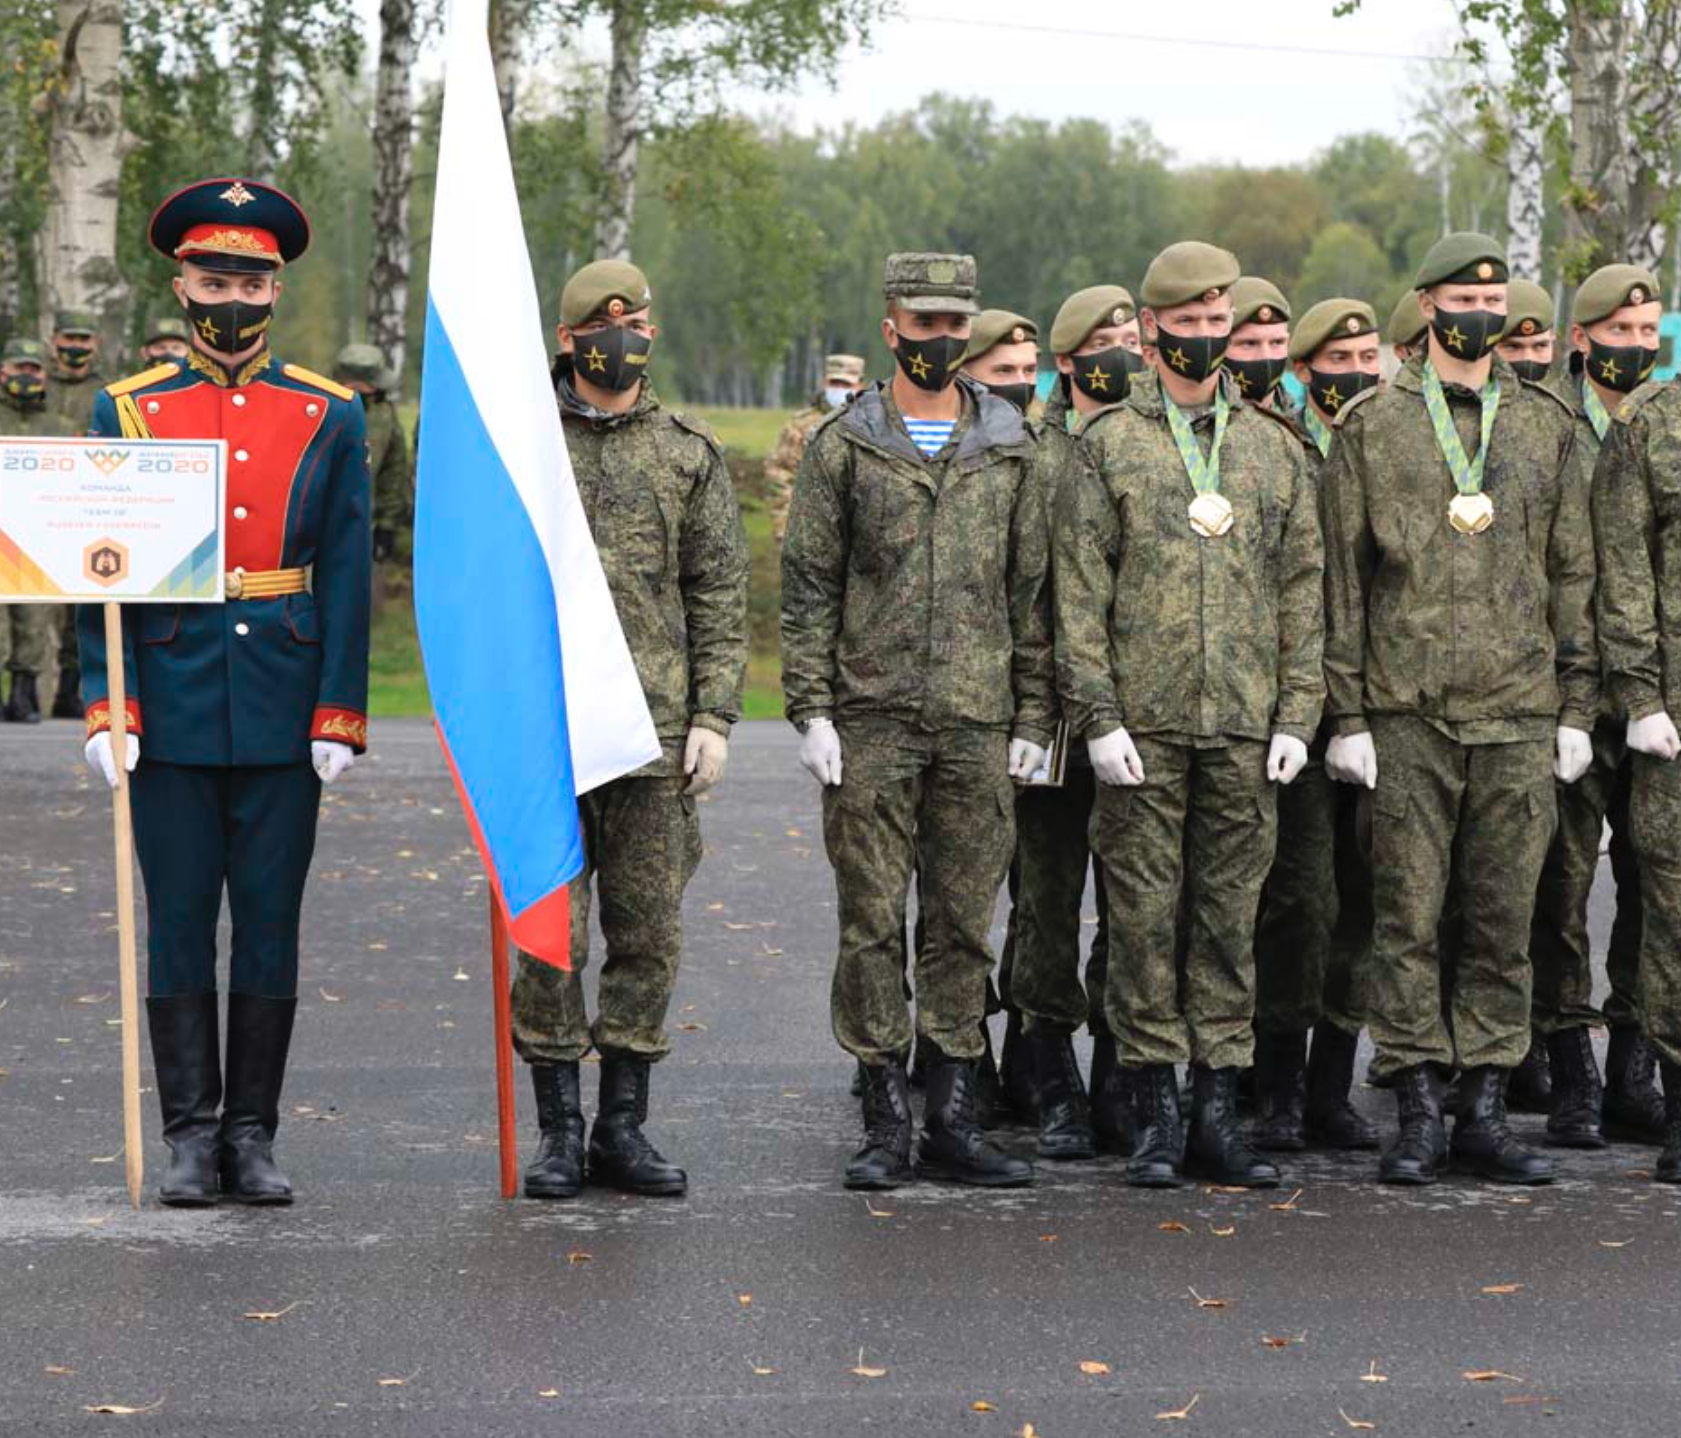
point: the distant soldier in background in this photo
(1407, 327)
(1003, 355)
(1259, 353)
(166, 340)
(843, 377)
(1528, 342)
(363, 369)
(74, 385)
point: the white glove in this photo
(104, 763)
(704, 758)
(1654, 735)
(1286, 758)
(1352, 759)
(1575, 753)
(1025, 758)
(820, 752)
(330, 759)
(1114, 759)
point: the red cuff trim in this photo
(99, 716)
(342, 726)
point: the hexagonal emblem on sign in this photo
(106, 562)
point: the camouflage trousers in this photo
(26, 637)
(69, 657)
(641, 847)
(1478, 816)
(1304, 947)
(1204, 821)
(1655, 826)
(944, 803)
(1053, 853)
(1558, 937)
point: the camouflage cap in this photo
(1406, 321)
(931, 284)
(1258, 301)
(848, 369)
(167, 327)
(360, 362)
(1189, 270)
(75, 322)
(1608, 289)
(602, 285)
(22, 350)
(1087, 310)
(998, 327)
(1330, 320)
(1464, 257)
(1529, 310)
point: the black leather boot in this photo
(988, 1089)
(885, 1159)
(1483, 1141)
(67, 702)
(954, 1147)
(23, 705)
(558, 1169)
(1111, 1099)
(1158, 1149)
(1064, 1112)
(1015, 1073)
(188, 1060)
(1280, 1091)
(856, 1088)
(1415, 1158)
(620, 1155)
(1668, 1168)
(259, 1035)
(1529, 1089)
(1332, 1120)
(1217, 1148)
(1578, 1096)
(1634, 1110)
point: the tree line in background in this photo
(765, 245)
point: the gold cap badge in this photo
(1485, 271)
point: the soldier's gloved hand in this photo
(104, 763)
(820, 752)
(1286, 758)
(1574, 754)
(1352, 759)
(1654, 735)
(704, 758)
(1025, 759)
(330, 759)
(1114, 759)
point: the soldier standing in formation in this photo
(1407, 327)
(1527, 343)
(363, 369)
(657, 494)
(167, 339)
(843, 377)
(1259, 353)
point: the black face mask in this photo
(74, 356)
(1532, 370)
(930, 364)
(613, 358)
(1191, 357)
(229, 327)
(1332, 391)
(1622, 368)
(26, 390)
(1105, 375)
(1020, 395)
(1255, 379)
(1467, 334)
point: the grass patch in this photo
(748, 433)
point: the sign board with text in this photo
(90, 520)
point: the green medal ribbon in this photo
(1598, 416)
(1317, 430)
(1467, 473)
(1204, 473)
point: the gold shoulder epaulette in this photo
(320, 381)
(118, 388)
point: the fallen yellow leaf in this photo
(864, 1372)
(94, 998)
(1490, 1375)
(261, 1316)
(1355, 1422)
(1288, 1205)
(1207, 1302)
(58, 1371)
(119, 1408)
(692, 1027)
(548, 1392)
(1371, 1375)
(1047, 1238)
(1615, 1242)
(1174, 1415)
(578, 1256)
(1028, 1431)
(1223, 1232)
(329, 998)
(1094, 1367)
(1223, 1188)
(1172, 1226)
(395, 1382)
(980, 1405)
(1278, 1342)
(744, 1299)
(1503, 1288)
(763, 1372)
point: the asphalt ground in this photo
(401, 1295)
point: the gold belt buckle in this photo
(233, 584)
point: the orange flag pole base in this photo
(506, 1137)
(128, 983)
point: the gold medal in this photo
(1471, 513)
(1211, 515)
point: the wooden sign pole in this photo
(128, 982)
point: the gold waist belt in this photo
(264, 583)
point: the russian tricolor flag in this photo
(533, 688)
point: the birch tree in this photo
(393, 135)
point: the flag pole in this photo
(506, 1138)
(134, 1157)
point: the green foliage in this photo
(1346, 261)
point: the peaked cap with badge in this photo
(604, 288)
(931, 284)
(1611, 288)
(1186, 271)
(1463, 258)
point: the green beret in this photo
(931, 284)
(1088, 310)
(1258, 301)
(75, 322)
(20, 350)
(1330, 320)
(1529, 310)
(167, 327)
(599, 286)
(1189, 270)
(998, 327)
(1463, 258)
(1609, 289)
(360, 362)
(1406, 321)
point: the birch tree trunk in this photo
(1601, 163)
(11, 262)
(509, 20)
(1525, 180)
(78, 243)
(388, 265)
(1655, 102)
(624, 131)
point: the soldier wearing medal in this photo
(1188, 568)
(1452, 495)
(238, 713)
